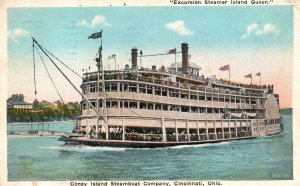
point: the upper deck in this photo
(183, 75)
(178, 81)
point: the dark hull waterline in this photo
(139, 144)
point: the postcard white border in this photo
(90, 3)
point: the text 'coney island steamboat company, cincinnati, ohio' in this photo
(221, 2)
(146, 183)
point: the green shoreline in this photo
(40, 122)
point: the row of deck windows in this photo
(158, 79)
(158, 106)
(148, 89)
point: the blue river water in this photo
(44, 158)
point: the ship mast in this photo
(101, 68)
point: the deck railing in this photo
(164, 82)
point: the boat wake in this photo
(198, 145)
(85, 148)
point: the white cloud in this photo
(179, 28)
(82, 23)
(253, 28)
(97, 20)
(268, 28)
(250, 29)
(17, 32)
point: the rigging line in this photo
(97, 54)
(61, 61)
(51, 79)
(83, 96)
(33, 56)
(50, 76)
(150, 55)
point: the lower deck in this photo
(159, 130)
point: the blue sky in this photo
(230, 30)
(144, 27)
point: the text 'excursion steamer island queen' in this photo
(146, 108)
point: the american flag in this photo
(172, 51)
(224, 68)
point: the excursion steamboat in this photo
(158, 107)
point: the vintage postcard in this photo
(129, 93)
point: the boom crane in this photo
(45, 51)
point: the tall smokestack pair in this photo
(184, 51)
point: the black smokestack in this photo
(134, 53)
(185, 54)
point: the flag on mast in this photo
(172, 51)
(224, 68)
(259, 74)
(248, 76)
(112, 56)
(95, 35)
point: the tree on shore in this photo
(16, 97)
(42, 113)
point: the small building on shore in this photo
(18, 105)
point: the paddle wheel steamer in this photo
(137, 107)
